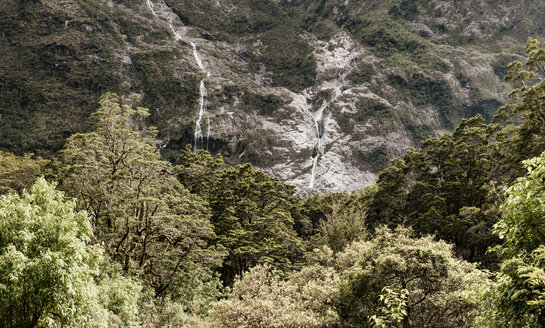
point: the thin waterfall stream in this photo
(196, 55)
(203, 94)
(319, 125)
(151, 8)
(201, 114)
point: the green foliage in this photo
(18, 173)
(264, 104)
(500, 65)
(168, 95)
(47, 267)
(364, 73)
(164, 312)
(343, 226)
(520, 288)
(408, 283)
(393, 310)
(367, 109)
(145, 218)
(199, 170)
(262, 299)
(120, 295)
(252, 218)
(423, 270)
(444, 189)
(289, 57)
(425, 90)
(168, 229)
(52, 78)
(522, 224)
(58, 60)
(254, 215)
(376, 159)
(528, 141)
(283, 51)
(386, 36)
(370, 107)
(318, 206)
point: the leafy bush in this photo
(47, 267)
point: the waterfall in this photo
(207, 131)
(313, 176)
(151, 9)
(319, 126)
(319, 123)
(202, 104)
(202, 88)
(177, 36)
(202, 113)
(196, 55)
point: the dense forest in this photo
(109, 234)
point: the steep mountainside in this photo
(320, 93)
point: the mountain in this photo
(320, 93)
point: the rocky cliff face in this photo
(318, 93)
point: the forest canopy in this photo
(109, 234)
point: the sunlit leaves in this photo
(47, 269)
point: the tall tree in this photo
(199, 171)
(254, 215)
(142, 215)
(252, 218)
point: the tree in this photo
(121, 296)
(519, 290)
(261, 298)
(18, 172)
(391, 280)
(199, 170)
(343, 226)
(393, 309)
(252, 218)
(521, 281)
(444, 189)
(143, 216)
(47, 267)
(529, 106)
(420, 277)
(317, 208)
(254, 215)
(522, 225)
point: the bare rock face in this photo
(318, 93)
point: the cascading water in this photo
(202, 113)
(319, 125)
(202, 88)
(177, 36)
(320, 128)
(315, 162)
(151, 8)
(202, 104)
(196, 55)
